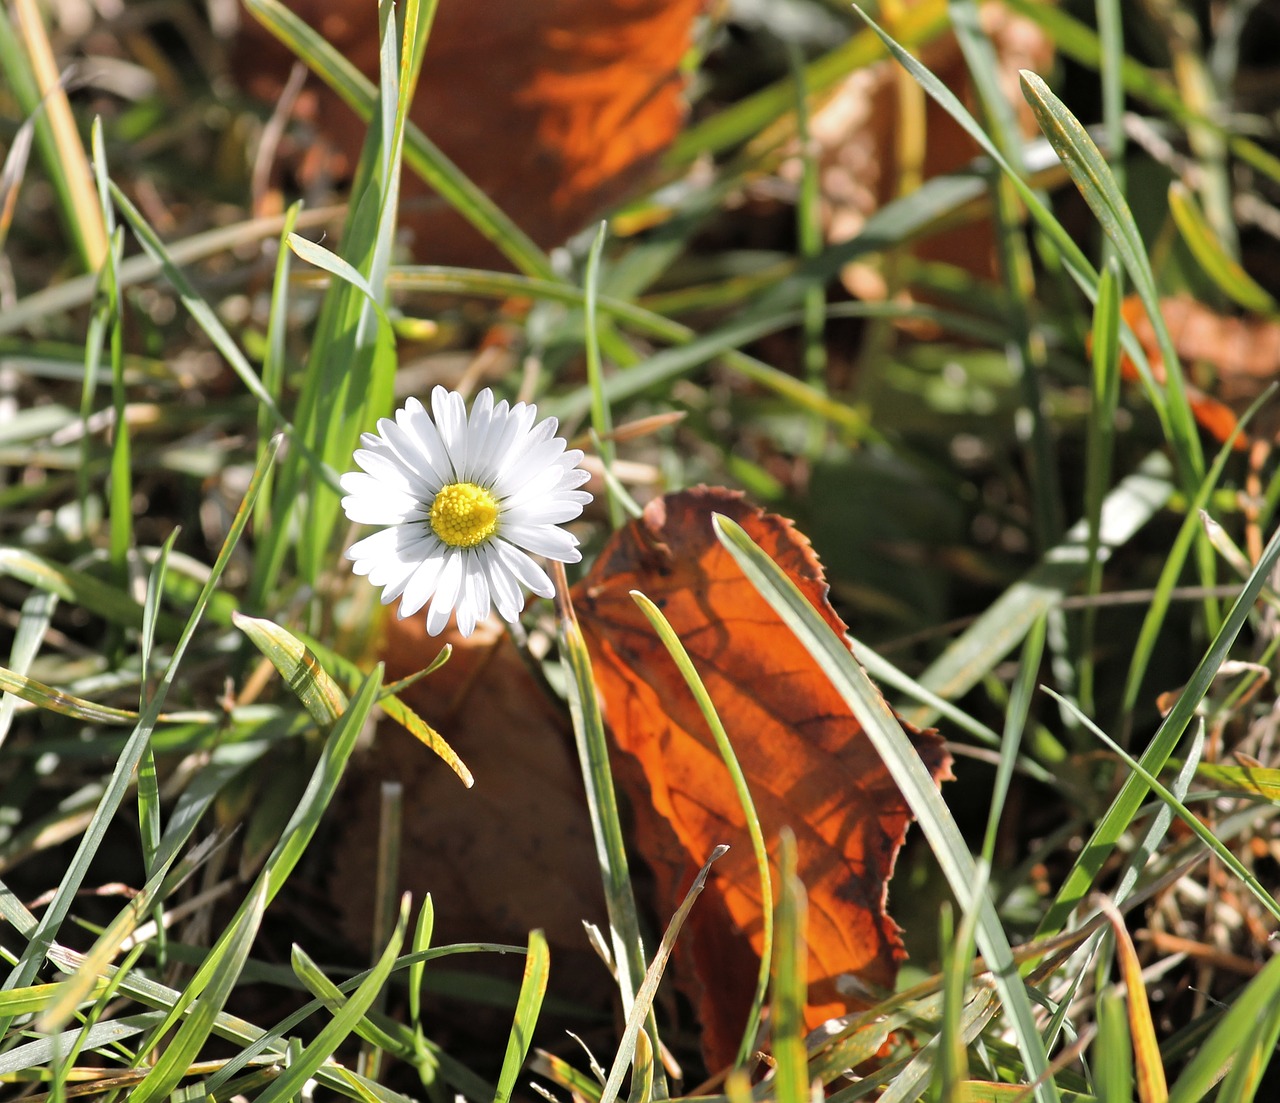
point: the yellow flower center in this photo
(464, 515)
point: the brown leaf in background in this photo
(857, 133)
(805, 758)
(556, 108)
(511, 854)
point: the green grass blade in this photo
(200, 310)
(1199, 829)
(1079, 264)
(1099, 453)
(321, 1049)
(225, 962)
(298, 666)
(295, 837)
(1171, 571)
(1119, 816)
(601, 417)
(707, 707)
(790, 979)
(1258, 1003)
(1015, 721)
(1092, 176)
(421, 940)
(918, 789)
(1220, 266)
(81, 589)
(602, 804)
(1112, 1051)
(533, 987)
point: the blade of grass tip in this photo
(394, 708)
(71, 166)
(421, 940)
(1099, 452)
(1152, 1085)
(305, 1064)
(643, 1007)
(707, 707)
(298, 666)
(1092, 176)
(1113, 1052)
(533, 987)
(1220, 266)
(1143, 778)
(225, 962)
(1024, 686)
(601, 417)
(1181, 434)
(790, 979)
(42, 937)
(331, 997)
(885, 731)
(1190, 529)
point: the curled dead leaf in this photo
(807, 762)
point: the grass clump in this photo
(1021, 513)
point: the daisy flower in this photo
(466, 501)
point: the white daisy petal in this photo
(466, 500)
(473, 603)
(529, 574)
(422, 583)
(544, 540)
(448, 590)
(503, 584)
(450, 414)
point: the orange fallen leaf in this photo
(556, 108)
(805, 757)
(1244, 354)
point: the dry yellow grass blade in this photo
(1148, 1068)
